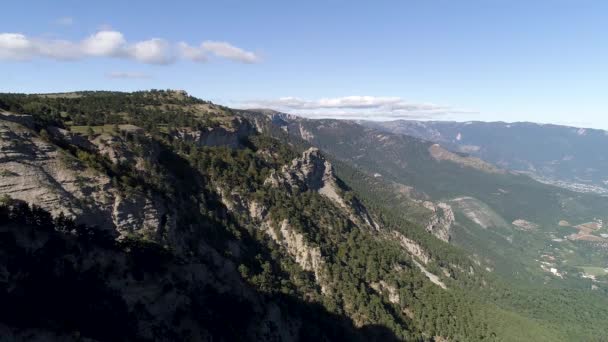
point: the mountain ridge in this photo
(261, 218)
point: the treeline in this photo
(147, 109)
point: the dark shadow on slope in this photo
(57, 286)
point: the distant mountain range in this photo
(570, 157)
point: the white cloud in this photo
(105, 44)
(127, 75)
(65, 21)
(355, 107)
(338, 102)
(16, 46)
(109, 43)
(229, 51)
(153, 51)
(192, 53)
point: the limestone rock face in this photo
(441, 220)
(310, 172)
(305, 134)
(257, 211)
(113, 148)
(138, 213)
(383, 287)
(313, 172)
(73, 139)
(235, 202)
(231, 136)
(309, 258)
(37, 171)
(412, 247)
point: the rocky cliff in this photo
(441, 219)
(36, 170)
(315, 173)
(231, 134)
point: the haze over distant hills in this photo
(566, 156)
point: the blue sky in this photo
(542, 61)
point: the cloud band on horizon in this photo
(112, 44)
(356, 108)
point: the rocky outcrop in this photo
(305, 134)
(139, 213)
(525, 225)
(383, 287)
(412, 247)
(295, 243)
(21, 119)
(70, 138)
(432, 277)
(313, 172)
(418, 254)
(113, 147)
(235, 202)
(257, 211)
(310, 172)
(441, 220)
(308, 257)
(39, 172)
(231, 135)
(479, 212)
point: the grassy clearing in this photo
(593, 270)
(102, 129)
(96, 129)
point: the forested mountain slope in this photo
(567, 156)
(526, 230)
(159, 216)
